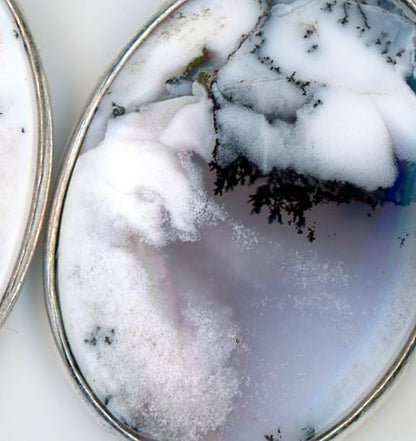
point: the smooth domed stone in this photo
(192, 312)
(19, 121)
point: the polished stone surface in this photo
(18, 143)
(277, 331)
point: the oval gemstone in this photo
(24, 149)
(237, 244)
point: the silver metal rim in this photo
(51, 249)
(43, 167)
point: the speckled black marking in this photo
(402, 239)
(175, 80)
(16, 34)
(311, 234)
(277, 436)
(108, 339)
(117, 110)
(363, 16)
(308, 433)
(302, 85)
(400, 53)
(267, 61)
(291, 78)
(313, 48)
(390, 60)
(91, 341)
(256, 31)
(329, 6)
(386, 47)
(100, 336)
(308, 33)
(345, 19)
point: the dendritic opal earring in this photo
(231, 250)
(25, 151)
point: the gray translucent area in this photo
(320, 323)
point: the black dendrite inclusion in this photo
(284, 195)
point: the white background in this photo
(77, 41)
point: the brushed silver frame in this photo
(52, 239)
(43, 167)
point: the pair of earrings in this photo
(192, 291)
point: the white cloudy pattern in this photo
(332, 101)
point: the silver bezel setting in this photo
(50, 261)
(43, 167)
